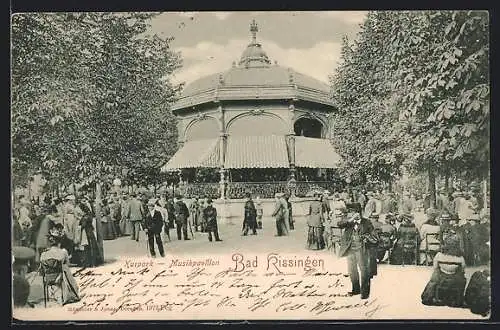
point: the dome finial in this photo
(254, 29)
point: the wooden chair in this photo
(428, 245)
(52, 276)
(410, 246)
(388, 236)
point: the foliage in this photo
(413, 90)
(90, 96)
(364, 122)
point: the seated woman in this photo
(447, 283)
(68, 286)
(406, 242)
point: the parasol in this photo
(22, 253)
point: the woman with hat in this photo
(315, 223)
(86, 238)
(108, 226)
(46, 225)
(69, 286)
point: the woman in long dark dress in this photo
(87, 238)
(315, 239)
(447, 283)
(108, 226)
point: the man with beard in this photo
(357, 241)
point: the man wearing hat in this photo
(135, 216)
(250, 216)
(356, 243)
(125, 227)
(210, 218)
(152, 224)
(371, 205)
(181, 214)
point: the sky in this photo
(209, 42)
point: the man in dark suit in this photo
(153, 223)
(250, 216)
(181, 218)
(356, 243)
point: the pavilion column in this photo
(291, 150)
(224, 207)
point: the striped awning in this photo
(198, 153)
(315, 153)
(256, 152)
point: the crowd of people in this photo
(377, 222)
(376, 228)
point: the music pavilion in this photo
(257, 121)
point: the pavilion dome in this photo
(254, 77)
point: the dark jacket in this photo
(153, 224)
(250, 211)
(181, 211)
(210, 217)
(366, 231)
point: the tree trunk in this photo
(447, 181)
(485, 194)
(432, 186)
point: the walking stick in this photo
(191, 229)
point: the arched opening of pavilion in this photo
(308, 127)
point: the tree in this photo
(91, 95)
(443, 62)
(361, 88)
(413, 90)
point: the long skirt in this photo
(281, 227)
(108, 230)
(69, 286)
(315, 239)
(444, 289)
(126, 227)
(70, 292)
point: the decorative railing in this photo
(262, 189)
(236, 190)
(202, 190)
(302, 188)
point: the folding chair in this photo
(52, 276)
(428, 245)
